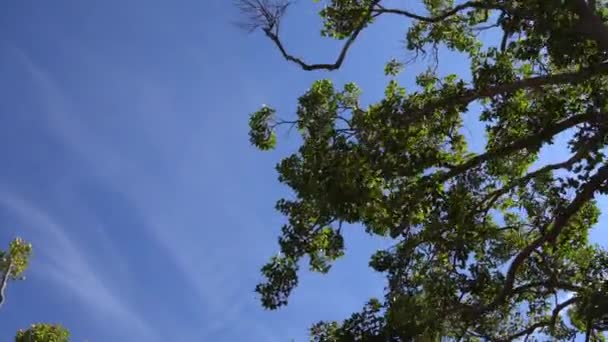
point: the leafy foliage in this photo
(485, 244)
(18, 255)
(13, 263)
(43, 333)
(261, 134)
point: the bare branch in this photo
(264, 14)
(274, 36)
(309, 67)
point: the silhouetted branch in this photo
(266, 15)
(434, 19)
(274, 36)
(262, 14)
(308, 67)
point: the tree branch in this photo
(528, 331)
(531, 141)
(471, 94)
(268, 19)
(560, 307)
(261, 13)
(585, 194)
(310, 67)
(440, 17)
(267, 15)
(4, 281)
(561, 285)
(551, 323)
(495, 195)
(272, 32)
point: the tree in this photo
(487, 246)
(43, 333)
(13, 263)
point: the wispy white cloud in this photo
(212, 272)
(66, 265)
(61, 121)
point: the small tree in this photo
(486, 245)
(13, 263)
(42, 332)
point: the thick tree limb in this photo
(560, 307)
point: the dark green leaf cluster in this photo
(260, 124)
(282, 278)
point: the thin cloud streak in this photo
(211, 277)
(65, 264)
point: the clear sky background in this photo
(126, 162)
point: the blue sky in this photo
(126, 162)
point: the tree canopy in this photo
(43, 332)
(492, 245)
